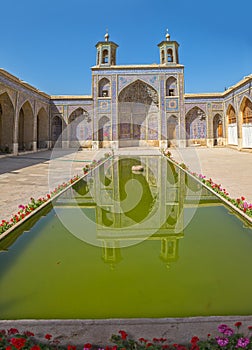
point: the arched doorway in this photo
(42, 129)
(79, 128)
(6, 124)
(246, 110)
(138, 115)
(57, 128)
(232, 126)
(172, 130)
(104, 87)
(217, 130)
(196, 127)
(104, 131)
(25, 128)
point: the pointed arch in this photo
(172, 130)
(25, 127)
(217, 129)
(105, 56)
(79, 127)
(170, 58)
(42, 128)
(139, 91)
(104, 88)
(246, 113)
(6, 123)
(56, 131)
(171, 87)
(138, 115)
(196, 127)
(104, 131)
(232, 126)
(246, 110)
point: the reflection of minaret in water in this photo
(169, 249)
(111, 252)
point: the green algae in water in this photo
(175, 252)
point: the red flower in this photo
(242, 198)
(123, 334)
(8, 348)
(238, 324)
(87, 346)
(13, 331)
(194, 340)
(149, 344)
(35, 347)
(143, 340)
(71, 347)
(18, 343)
(48, 336)
(29, 334)
(250, 328)
(114, 347)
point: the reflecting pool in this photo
(123, 244)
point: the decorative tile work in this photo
(195, 128)
(154, 71)
(172, 104)
(162, 111)
(199, 105)
(217, 106)
(71, 109)
(57, 109)
(104, 106)
(114, 89)
(128, 79)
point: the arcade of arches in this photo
(130, 105)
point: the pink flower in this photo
(228, 331)
(222, 328)
(242, 343)
(222, 341)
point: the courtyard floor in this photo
(26, 176)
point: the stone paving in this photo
(36, 174)
(226, 166)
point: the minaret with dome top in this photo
(106, 52)
(168, 51)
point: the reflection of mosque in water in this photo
(132, 207)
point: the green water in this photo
(175, 252)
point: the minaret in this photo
(168, 51)
(106, 52)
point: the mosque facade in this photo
(130, 105)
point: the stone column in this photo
(15, 132)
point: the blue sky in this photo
(51, 43)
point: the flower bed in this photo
(240, 203)
(227, 339)
(26, 210)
